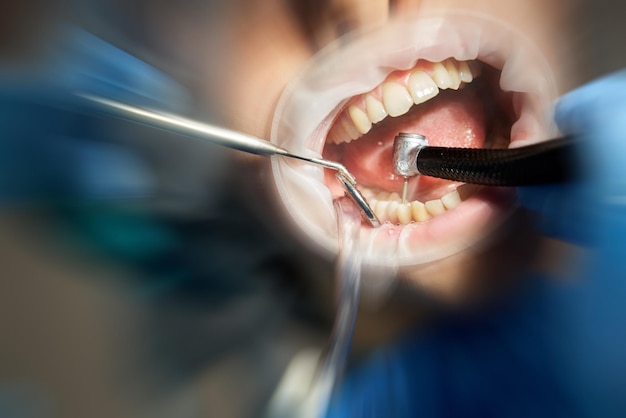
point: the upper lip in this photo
(310, 103)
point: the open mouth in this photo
(461, 80)
(445, 101)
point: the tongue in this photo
(452, 119)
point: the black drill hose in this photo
(547, 162)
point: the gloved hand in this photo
(57, 153)
(557, 351)
(596, 218)
(590, 212)
(51, 147)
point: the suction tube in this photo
(547, 162)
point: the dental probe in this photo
(547, 162)
(231, 139)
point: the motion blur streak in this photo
(140, 277)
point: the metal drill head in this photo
(406, 147)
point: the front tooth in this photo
(404, 214)
(392, 211)
(375, 109)
(435, 207)
(454, 74)
(451, 200)
(465, 73)
(441, 76)
(419, 212)
(396, 99)
(422, 87)
(360, 119)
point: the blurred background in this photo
(134, 279)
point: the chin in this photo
(461, 79)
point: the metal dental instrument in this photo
(231, 139)
(542, 163)
(405, 149)
(358, 198)
(405, 189)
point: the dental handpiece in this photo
(547, 162)
(230, 139)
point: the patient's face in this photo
(473, 75)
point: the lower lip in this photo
(471, 222)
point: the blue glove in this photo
(50, 148)
(558, 350)
(590, 213)
(58, 153)
(596, 112)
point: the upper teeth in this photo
(397, 96)
(422, 87)
(375, 109)
(396, 99)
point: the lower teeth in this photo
(390, 208)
